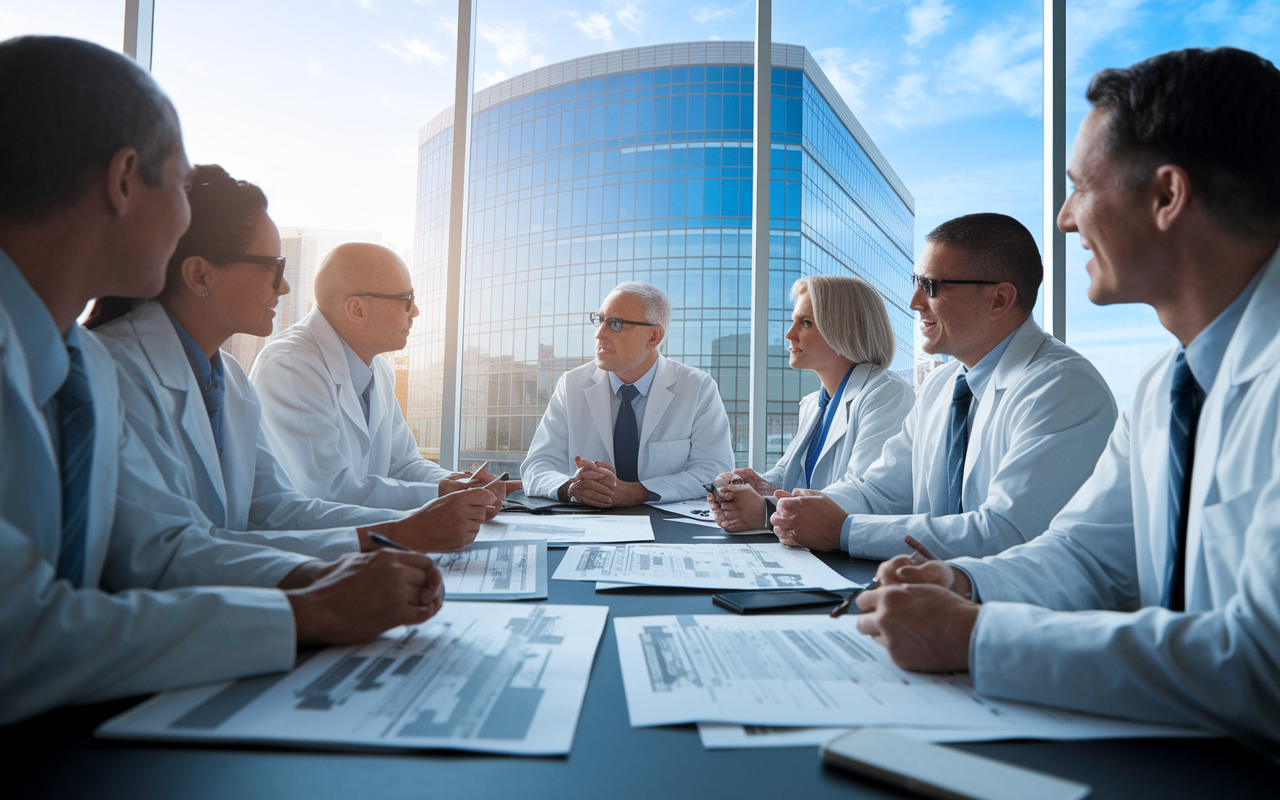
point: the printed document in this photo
(505, 570)
(491, 677)
(565, 529)
(702, 566)
(693, 509)
(803, 670)
(1067, 726)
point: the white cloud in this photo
(486, 79)
(711, 13)
(449, 24)
(1092, 21)
(367, 5)
(315, 69)
(413, 50)
(630, 16)
(514, 44)
(926, 21)
(595, 26)
(1005, 57)
(849, 75)
(909, 103)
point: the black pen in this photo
(922, 553)
(848, 601)
(382, 541)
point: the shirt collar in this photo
(1204, 354)
(361, 373)
(45, 348)
(642, 384)
(207, 370)
(978, 376)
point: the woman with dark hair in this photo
(198, 416)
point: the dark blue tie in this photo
(626, 436)
(1186, 398)
(957, 442)
(75, 422)
(364, 399)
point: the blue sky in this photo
(320, 101)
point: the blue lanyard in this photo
(820, 436)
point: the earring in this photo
(206, 294)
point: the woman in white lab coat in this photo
(193, 407)
(839, 330)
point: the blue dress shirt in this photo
(209, 377)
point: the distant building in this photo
(637, 164)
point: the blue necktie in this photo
(364, 399)
(626, 436)
(213, 393)
(817, 439)
(1186, 398)
(957, 442)
(75, 421)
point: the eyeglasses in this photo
(616, 324)
(406, 298)
(266, 261)
(930, 285)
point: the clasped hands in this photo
(596, 483)
(738, 502)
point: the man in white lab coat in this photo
(1154, 593)
(634, 426)
(109, 584)
(329, 405)
(998, 439)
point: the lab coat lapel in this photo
(809, 420)
(240, 422)
(164, 350)
(1015, 358)
(1253, 348)
(335, 361)
(106, 455)
(660, 396)
(840, 423)
(597, 397)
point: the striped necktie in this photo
(75, 421)
(957, 443)
(1186, 397)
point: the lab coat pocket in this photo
(666, 458)
(1222, 527)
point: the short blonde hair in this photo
(851, 316)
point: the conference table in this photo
(56, 756)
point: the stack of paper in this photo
(701, 566)
(565, 529)
(812, 670)
(493, 677)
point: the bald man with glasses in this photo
(998, 439)
(328, 402)
(633, 426)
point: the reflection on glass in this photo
(637, 166)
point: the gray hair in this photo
(657, 308)
(850, 315)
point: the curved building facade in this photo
(637, 165)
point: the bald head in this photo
(357, 267)
(361, 289)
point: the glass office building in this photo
(637, 165)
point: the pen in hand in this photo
(381, 541)
(921, 555)
(847, 603)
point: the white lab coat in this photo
(243, 489)
(684, 438)
(872, 408)
(130, 629)
(314, 424)
(1041, 422)
(1216, 665)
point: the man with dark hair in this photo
(997, 441)
(1153, 594)
(109, 584)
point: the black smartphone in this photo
(760, 602)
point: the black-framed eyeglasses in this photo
(930, 285)
(615, 324)
(276, 262)
(406, 298)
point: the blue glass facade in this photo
(641, 175)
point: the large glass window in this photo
(321, 106)
(1122, 339)
(98, 21)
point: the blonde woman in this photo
(839, 330)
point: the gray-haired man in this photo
(633, 426)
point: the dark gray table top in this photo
(55, 755)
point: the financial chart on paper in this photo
(702, 566)
(479, 676)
